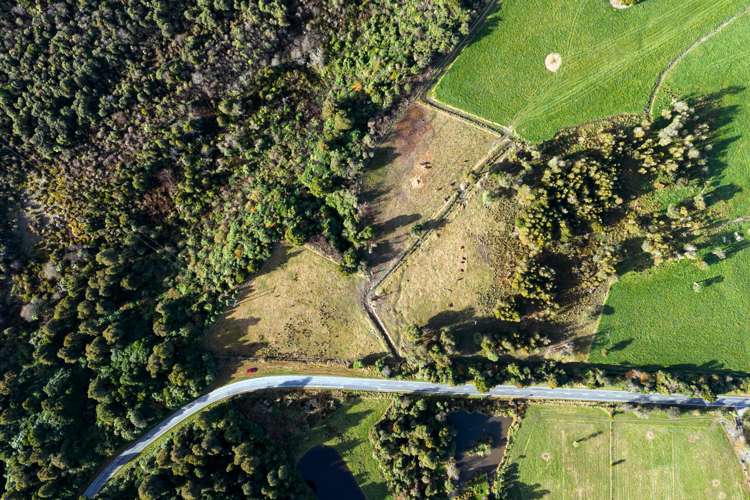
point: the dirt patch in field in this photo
(412, 129)
(617, 4)
(552, 62)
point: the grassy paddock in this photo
(421, 164)
(347, 430)
(610, 59)
(454, 278)
(299, 305)
(580, 452)
(655, 317)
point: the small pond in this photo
(473, 428)
(326, 473)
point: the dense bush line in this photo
(160, 148)
(221, 454)
(413, 444)
(579, 199)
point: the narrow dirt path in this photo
(674, 62)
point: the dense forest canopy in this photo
(151, 153)
(222, 454)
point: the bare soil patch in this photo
(552, 62)
(617, 4)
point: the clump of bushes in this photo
(220, 454)
(413, 442)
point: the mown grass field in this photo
(610, 59)
(422, 163)
(580, 452)
(347, 430)
(655, 317)
(299, 305)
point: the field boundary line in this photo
(674, 466)
(662, 78)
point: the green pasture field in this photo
(610, 60)
(655, 317)
(581, 452)
(347, 430)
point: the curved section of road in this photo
(395, 386)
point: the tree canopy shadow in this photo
(517, 489)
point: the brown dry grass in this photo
(457, 274)
(237, 370)
(414, 172)
(299, 306)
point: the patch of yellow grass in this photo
(415, 171)
(299, 306)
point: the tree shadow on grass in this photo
(589, 437)
(490, 23)
(517, 489)
(230, 336)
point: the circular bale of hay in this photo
(552, 62)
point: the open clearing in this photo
(453, 279)
(610, 60)
(579, 452)
(347, 430)
(423, 163)
(655, 317)
(299, 306)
